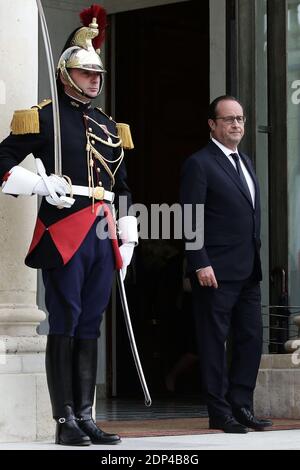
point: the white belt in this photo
(99, 193)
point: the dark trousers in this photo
(77, 294)
(234, 308)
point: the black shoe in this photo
(68, 433)
(245, 417)
(97, 436)
(227, 424)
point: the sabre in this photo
(55, 106)
(62, 201)
(132, 342)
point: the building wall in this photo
(23, 387)
(18, 78)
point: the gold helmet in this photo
(82, 50)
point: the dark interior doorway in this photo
(162, 90)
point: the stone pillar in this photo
(278, 386)
(24, 404)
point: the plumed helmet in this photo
(82, 50)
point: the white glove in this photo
(58, 183)
(55, 185)
(126, 251)
(24, 182)
(20, 181)
(127, 228)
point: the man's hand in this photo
(58, 184)
(55, 185)
(207, 278)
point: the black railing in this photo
(280, 325)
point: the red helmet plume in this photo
(87, 15)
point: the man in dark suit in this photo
(226, 271)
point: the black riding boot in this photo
(84, 382)
(59, 362)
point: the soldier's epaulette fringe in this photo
(125, 135)
(25, 121)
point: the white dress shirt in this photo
(247, 175)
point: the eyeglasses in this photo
(231, 119)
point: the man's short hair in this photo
(214, 104)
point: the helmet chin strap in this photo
(82, 93)
(67, 77)
(78, 97)
(85, 95)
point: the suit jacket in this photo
(231, 223)
(59, 232)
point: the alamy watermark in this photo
(162, 222)
(295, 97)
(296, 354)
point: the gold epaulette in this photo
(125, 135)
(26, 121)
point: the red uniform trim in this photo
(37, 234)
(113, 237)
(6, 176)
(68, 234)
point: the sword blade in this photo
(55, 106)
(148, 400)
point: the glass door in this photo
(293, 156)
(284, 169)
(265, 75)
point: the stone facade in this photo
(277, 393)
(25, 412)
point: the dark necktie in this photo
(240, 172)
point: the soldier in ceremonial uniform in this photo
(77, 265)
